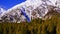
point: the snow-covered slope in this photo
(2, 11)
(29, 10)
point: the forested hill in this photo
(36, 26)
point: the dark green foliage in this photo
(36, 26)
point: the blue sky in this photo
(6, 4)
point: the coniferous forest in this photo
(36, 26)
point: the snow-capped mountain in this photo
(29, 10)
(1, 10)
